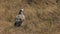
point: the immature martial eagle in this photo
(19, 18)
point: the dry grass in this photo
(42, 16)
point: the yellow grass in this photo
(42, 16)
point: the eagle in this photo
(19, 18)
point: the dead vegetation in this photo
(42, 16)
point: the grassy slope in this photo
(42, 16)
